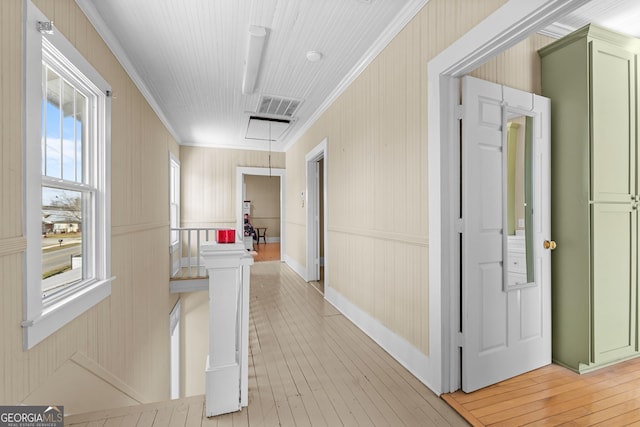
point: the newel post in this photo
(228, 265)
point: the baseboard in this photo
(81, 385)
(83, 361)
(416, 362)
(295, 266)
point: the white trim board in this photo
(295, 266)
(403, 351)
(513, 22)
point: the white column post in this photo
(228, 265)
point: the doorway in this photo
(316, 199)
(241, 173)
(510, 24)
(261, 206)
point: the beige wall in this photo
(378, 243)
(127, 335)
(194, 332)
(208, 183)
(264, 194)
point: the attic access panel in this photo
(264, 129)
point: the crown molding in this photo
(403, 17)
(112, 42)
(556, 30)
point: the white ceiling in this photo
(187, 56)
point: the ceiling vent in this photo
(278, 106)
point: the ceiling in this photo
(187, 58)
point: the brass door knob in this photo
(549, 244)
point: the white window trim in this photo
(40, 321)
(174, 185)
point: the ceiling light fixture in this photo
(255, 48)
(314, 56)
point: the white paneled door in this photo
(506, 277)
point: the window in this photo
(174, 214)
(67, 121)
(174, 196)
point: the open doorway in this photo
(316, 166)
(510, 24)
(242, 174)
(262, 215)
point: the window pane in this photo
(62, 243)
(81, 117)
(53, 118)
(68, 133)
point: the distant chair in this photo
(262, 234)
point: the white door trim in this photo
(513, 22)
(312, 204)
(240, 173)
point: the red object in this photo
(226, 236)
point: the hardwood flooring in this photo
(266, 252)
(308, 366)
(555, 396)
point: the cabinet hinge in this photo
(459, 339)
(458, 111)
(459, 225)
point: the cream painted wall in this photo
(208, 183)
(194, 324)
(127, 335)
(378, 243)
(264, 194)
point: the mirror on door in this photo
(518, 241)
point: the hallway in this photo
(308, 366)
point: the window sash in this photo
(55, 174)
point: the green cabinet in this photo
(590, 77)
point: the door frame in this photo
(240, 173)
(314, 187)
(510, 24)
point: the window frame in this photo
(42, 317)
(174, 196)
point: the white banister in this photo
(185, 251)
(228, 267)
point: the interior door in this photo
(506, 298)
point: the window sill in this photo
(62, 312)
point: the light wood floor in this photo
(308, 366)
(553, 396)
(266, 252)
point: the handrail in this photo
(188, 264)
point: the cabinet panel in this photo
(613, 120)
(614, 281)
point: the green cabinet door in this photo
(613, 191)
(613, 120)
(614, 270)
